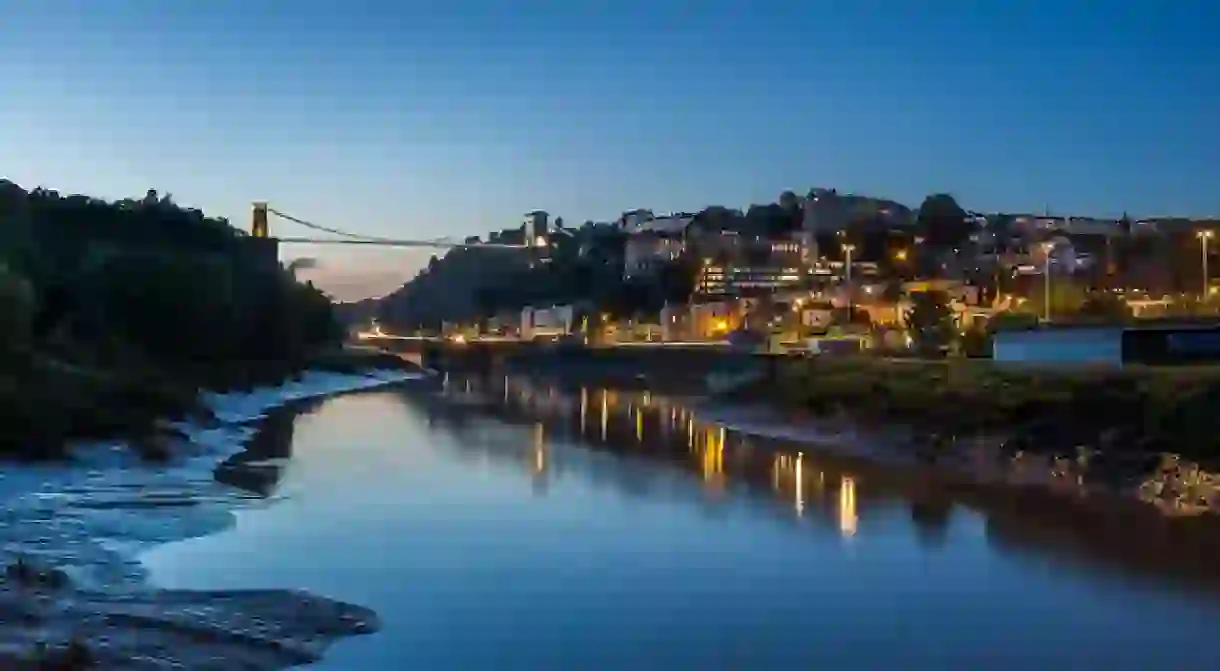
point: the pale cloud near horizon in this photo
(352, 285)
(355, 274)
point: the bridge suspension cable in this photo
(335, 231)
(260, 228)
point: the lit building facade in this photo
(732, 280)
(535, 224)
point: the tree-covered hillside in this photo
(95, 295)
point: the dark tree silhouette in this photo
(163, 279)
(942, 222)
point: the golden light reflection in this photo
(605, 413)
(848, 519)
(539, 448)
(707, 445)
(800, 485)
(713, 459)
(584, 408)
(803, 475)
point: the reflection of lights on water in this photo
(584, 410)
(605, 413)
(848, 519)
(789, 468)
(639, 426)
(800, 484)
(539, 448)
(539, 460)
(713, 460)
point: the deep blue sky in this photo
(431, 118)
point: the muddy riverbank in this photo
(71, 536)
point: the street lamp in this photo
(1047, 247)
(1205, 236)
(847, 250)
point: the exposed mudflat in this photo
(156, 629)
(74, 590)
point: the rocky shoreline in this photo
(74, 595)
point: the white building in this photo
(535, 224)
(547, 322)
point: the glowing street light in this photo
(847, 250)
(1047, 247)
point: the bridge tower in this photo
(258, 221)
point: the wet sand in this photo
(74, 595)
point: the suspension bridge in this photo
(260, 228)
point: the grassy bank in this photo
(1134, 410)
(47, 402)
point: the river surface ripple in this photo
(517, 526)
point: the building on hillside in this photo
(632, 219)
(552, 322)
(715, 319)
(652, 243)
(724, 280)
(536, 224)
(954, 290)
(1059, 253)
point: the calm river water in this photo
(525, 527)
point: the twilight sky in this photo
(422, 119)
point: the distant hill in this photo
(448, 289)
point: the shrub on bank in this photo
(46, 403)
(1154, 409)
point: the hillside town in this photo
(828, 265)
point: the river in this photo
(517, 526)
